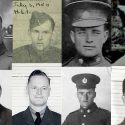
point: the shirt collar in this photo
(89, 61)
(34, 115)
(88, 110)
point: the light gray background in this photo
(70, 102)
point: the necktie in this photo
(38, 119)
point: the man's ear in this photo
(95, 95)
(106, 35)
(123, 98)
(72, 36)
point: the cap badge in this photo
(86, 14)
(84, 80)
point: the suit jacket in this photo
(5, 116)
(91, 116)
(25, 118)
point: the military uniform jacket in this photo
(91, 116)
(29, 54)
(5, 58)
(5, 116)
(79, 62)
(25, 118)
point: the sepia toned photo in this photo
(86, 30)
(86, 96)
(37, 31)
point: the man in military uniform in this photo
(89, 20)
(5, 55)
(37, 113)
(123, 97)
(40, 51)
(89, 113)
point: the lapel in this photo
(47, 118)
(28, 117)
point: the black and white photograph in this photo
(118, 32)
(6, 38)
(86, 96)
(118, 95)
(5, 97)
(37, 95)
(86, 39)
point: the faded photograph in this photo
(5, 98)
(118, 95)
(38, 101)
(39, 34)
(118, 32)
(88, 92)
(86, 33)
(6, 27)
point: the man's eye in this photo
(35, 31)
(44, 88)
(34, 88)
(81, 32)
(96, 32)
(46, 32)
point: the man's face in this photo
(41, 35)
(89, 41)
(38, 90)
(86, 97)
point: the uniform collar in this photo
(2, 48)
(33, 113)
(89, 61)
(88, 110)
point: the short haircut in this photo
(38, 73)
(123, 86)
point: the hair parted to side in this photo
(38, 73)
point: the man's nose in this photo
(40, 36)
(39, 91)
(85, 96)
(89, 38)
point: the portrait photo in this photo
(37, 93)
(6, 36)
(118, 32)
(86, 33)
(37, 31)
(117, 94)
(86, 96)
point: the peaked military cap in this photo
(38, 18)
(88, 13)
(85, 81)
